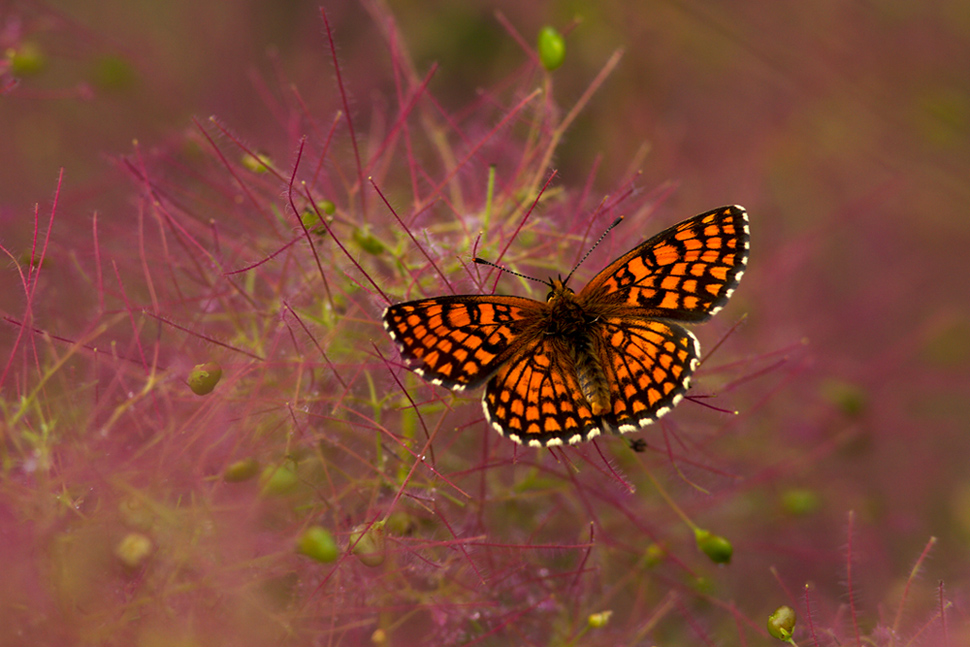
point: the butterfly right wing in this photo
(684, 273)
(460, 341)
(648, 365)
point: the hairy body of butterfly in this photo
(612, 357)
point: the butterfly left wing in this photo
(459, 341)
(686, 273)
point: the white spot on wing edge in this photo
(696, 344)
(625, 429)
(497, 427)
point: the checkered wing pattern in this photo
(685, 273)
(459, 341)
(536, 397)
(647, 365)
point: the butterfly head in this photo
(558, 289)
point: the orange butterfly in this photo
(613, 357)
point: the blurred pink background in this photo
(843, 128)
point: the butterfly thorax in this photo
(571, 325)
(565, 317)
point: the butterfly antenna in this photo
(595, 245)
(482, 261)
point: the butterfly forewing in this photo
(458, 341)
(685, 273)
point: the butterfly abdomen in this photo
(592, 379)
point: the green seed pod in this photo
(781, 623)
(27, 60)
(551, 48)
(597, 620)
(714, 546)
(242, 470)
(368, 242)
(258, 163)
(204, 377)
(368, 544)
(318, 544)
(278, 479)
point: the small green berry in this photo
(27, 60)
(601, 619)
(204, 377)
(368, 242)
(781, 623)
(368, 544)
(552, 48)
(278, 479)
(259, 163)
(241, 470)
(714, 546)
(318, 544)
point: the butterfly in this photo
(613, 357)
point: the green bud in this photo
(714, 546)
(309, 218)
(278, 479)
(259, 163)
(368, 242)
(204, 377)
(368, 544)
(781, 623)
(318, 544)
(27, 60)
(241, 470)
(597, 620)
(552, 48)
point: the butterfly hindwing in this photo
(647, 365)
(535, 398)
(685, 273)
